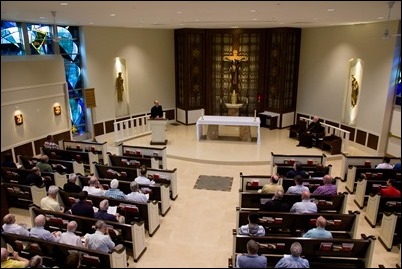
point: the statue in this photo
(355, 91)
(234, 69)
(119, 88)
(233, 97)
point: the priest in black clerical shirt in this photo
(156, 111)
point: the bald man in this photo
(305, 206)
(40, 232)
(319, 231)
(69, 237)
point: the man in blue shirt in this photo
(305, 206)
(252, 259)
(294, 260)
(320, 231)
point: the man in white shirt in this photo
(10, 226)
(305, 206)
(100, 240)
(94, 188)
(135, 195)
(40, 232)
(386, 164)
(143, 180)
(69, 237)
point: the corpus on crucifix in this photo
(235, 61)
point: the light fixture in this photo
(57, 110)
(18, 118)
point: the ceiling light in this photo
(253, 11)
(330, 9)
(112, 15)
(63, 4)
(179, 12)
(380, 18)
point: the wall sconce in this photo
(57, 110)
(18, 119)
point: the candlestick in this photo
(202, 113)
(255, 114)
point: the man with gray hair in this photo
(10, 226)
(40, 232)
(136, 195)
(305, 206)
(276, 204)
(320, 231)
(43, 164)
(114, 191)
(294, 260)
(71, 185)
(102, 214)
(69, 237)
(272, 186)
(100, 240)
(50, 201)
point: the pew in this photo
(283, 168)
(99, 149)
(159, 192)
(149, 213)
(131, 235)
(367, 161)
(290, 159)
(56, 253)
(293, 224)
(366, 187)
(390, 233)
(129, 174)
(87, 158)
(377, 205)
(131, 161)
(256, 182)
(22, 196)
(158, 153)
(325, 203)
(321, 253)
(353, 173)
(67, 166)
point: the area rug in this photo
(214, 183)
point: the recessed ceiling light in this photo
(179, 12)
(255, 19)
(330, 9)
(380, 18)
(91, 23)
(253, 11)
(112, 15)
(63, 4)
(42, 18)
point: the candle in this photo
(202, 112)
(255, 113)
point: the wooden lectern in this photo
(158, 128)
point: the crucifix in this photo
(234, 69)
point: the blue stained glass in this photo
(11, 39)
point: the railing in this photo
(131, 128)
(332, 130)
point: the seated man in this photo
(320, 231)
(294, 260)
(69, 237)
(305, 206)
(314, 130)
(385, 164)
(10, 226)
(298, 187)
(50, 202)
(83, 207)
(328, 188)
(297, 170)
(272, 186)
(34, 178)
(143, 180)
(39, 231)
(251, 259)
(49, 143)
(252, 228)
(114, 192)
(70, 186)
(94, 188)
(390, 190)
(102, 214)
(12, 262)
(136, 195)
(44, 165)
(100, 240)
(276, 204)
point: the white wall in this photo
(32, 84)
(149, 56)
(323, 73)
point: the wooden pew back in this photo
(146, 152)
(22, 196)
(377, 205)
(289, 159)
(59, 252)
(293, 224)
(325, 203)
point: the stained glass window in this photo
(12, 41)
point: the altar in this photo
(229, 121)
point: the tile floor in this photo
(197, 231)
